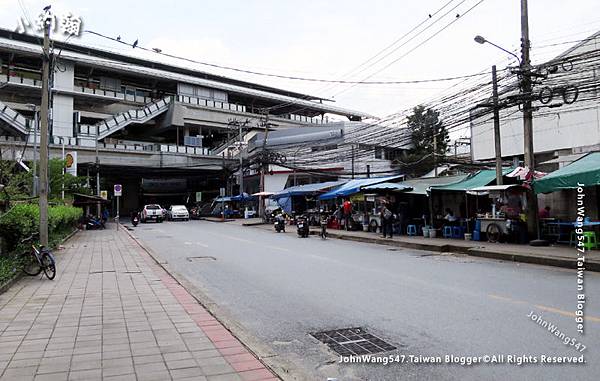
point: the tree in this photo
(17, 181)
(423, 124)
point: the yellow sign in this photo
(104, 194)
(358, 197)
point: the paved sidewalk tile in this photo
(113, 313)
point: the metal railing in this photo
(14, 119)
(242, 108)
(117, 122)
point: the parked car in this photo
(178, 212)
(152, 212)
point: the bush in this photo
(22, 221)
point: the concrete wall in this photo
(575, 127)
(553, 131)
(62, 104)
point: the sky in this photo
(330, 39)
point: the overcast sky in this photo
(329, 38)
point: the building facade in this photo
(144, 120)
(560, 133)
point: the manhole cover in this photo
(352, 341)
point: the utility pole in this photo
(435, 170)
(353, 161)
(497, 143)
(265, 167)
(532, 205)
(241, 178)
(98, 211)
(44, 110)
(64, 168)
(36, 125)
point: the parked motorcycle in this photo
(279, 223)
(94, 223)
(302, 226)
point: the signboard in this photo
(198, 196)
(359, 197)
(104, 194)
(71, 163)
(118, 190)
(222, 192)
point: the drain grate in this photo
(353, 341)
(202, 257)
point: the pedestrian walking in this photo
(387, 220)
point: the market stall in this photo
(353, 189)
(574, 191)
(504, 220)
(304, 198)
(455, 207)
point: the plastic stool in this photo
(589, 240)
(573, 239)
(411, 230)
(458, 232)
(447, 232)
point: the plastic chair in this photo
(573, 239)
(589, 240)
(411, 230)
(447, 232)
(458, 232)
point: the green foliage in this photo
(18, 183)
(423, 124)
(73, 184)
(9, 265)
(22, 221)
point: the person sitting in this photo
(544, 213)
(450, 217)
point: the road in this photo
(280, 288)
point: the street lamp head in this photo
(480, 40)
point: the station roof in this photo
(93, 57)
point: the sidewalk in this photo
(561, 255)
(112, 313)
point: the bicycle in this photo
(38, 260)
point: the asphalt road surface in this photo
(280, 288)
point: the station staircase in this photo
(139, 116)
(15, 121)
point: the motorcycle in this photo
(135, 220)
(94, 223)
(323, 223)
(279, 223)
(302, 226)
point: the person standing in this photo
(347, 209)
(386, 220)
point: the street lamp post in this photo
(36, 125)
(528, 153)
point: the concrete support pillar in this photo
(62, 105)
